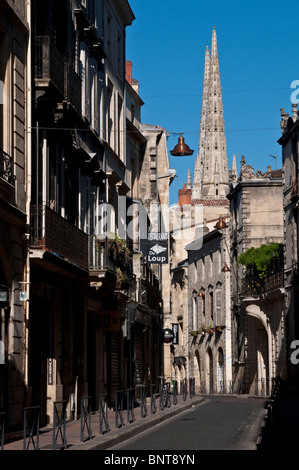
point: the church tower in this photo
(211, 180)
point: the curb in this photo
(129, 430)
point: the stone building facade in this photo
(258, 320)
(289, 142)
(81, 305)
(209, 312)
(14, 183)
(201, 203)
(149, 179)
(78, 167)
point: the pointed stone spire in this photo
(235, 165)
(196, 194)
(211, 167)
(189, 180)
(234, 172)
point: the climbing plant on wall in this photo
(259, 259)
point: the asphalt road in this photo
(220, 423)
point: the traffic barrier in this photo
(59, 421)
(31, 418)
(103, 414)
(85, 418)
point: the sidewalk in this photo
(114, 436)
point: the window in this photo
(194, 314)
(110, 113)
(120, 56)
(219, 306)
(3, 106)
(120, 127)
(211, 305)
(109, 38)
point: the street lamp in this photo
(181, 149)
(221, 224)
(225, 269)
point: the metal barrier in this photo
(103, 414)
(31, 416)
(153, 398)
(184, 389)
(119, 399)
(161, 396)
(130, 405)
(2, 426)
(174, 392)
(59, 420)
(143, 407)
(85, 418)
(192, 387)
(167, 395)
(240, 387)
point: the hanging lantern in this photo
(221, 224)
(181, 149)
(225, 269)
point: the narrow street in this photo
(220, 423)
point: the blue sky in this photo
(259, 59)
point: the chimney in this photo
(129, 71)
(269, 168)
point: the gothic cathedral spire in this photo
(210, 182)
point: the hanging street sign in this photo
(175, 330)
(157, 248)
(167, 335)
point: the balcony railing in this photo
(99, 257)
(53, 233)
(72, 87)
(111, 255)
(49, 63)
(253, 284)
(6, 168)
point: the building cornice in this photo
(125, 11)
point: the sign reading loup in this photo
(157, 248)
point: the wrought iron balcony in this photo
(99, 256)
(111, 255)
(252, 284)
(52, 233)
(49, 63)
(72, 87)
(6, 168)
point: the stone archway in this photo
(220, 371)
(258, 361)
(209, 371)
(197, 374)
